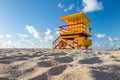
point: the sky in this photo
(34, 23)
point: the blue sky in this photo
(33, 23)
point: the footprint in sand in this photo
(106, 72)
(52, 72)
(40, 77)
(1, 78)
(90, 60)
(48, 63)
(65, 59)
(57, 54)
(57, 70)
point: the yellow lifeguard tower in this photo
(75, 34)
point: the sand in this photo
(48, 64)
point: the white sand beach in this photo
(55, 64)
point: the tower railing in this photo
(77, 28)
(56, 42)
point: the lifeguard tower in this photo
(75, 34)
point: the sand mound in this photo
(48, 64)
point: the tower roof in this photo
(74, 16)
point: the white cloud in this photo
(58, 33)
(48, 32)
(22, 35)
(91, 5)
(8, 44)
(104, 45)
(60, 5)
(100, 35)
(1, 36)
(65, 10)
(8, 35)
(33, 32)
(110, 39)
(96, 44)
(48, 35)
(116, 39)
(23, 40)
(118, 46)
(112, 44)
(13, 44)
(35, 44)
(78, 9)
(70, 7)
